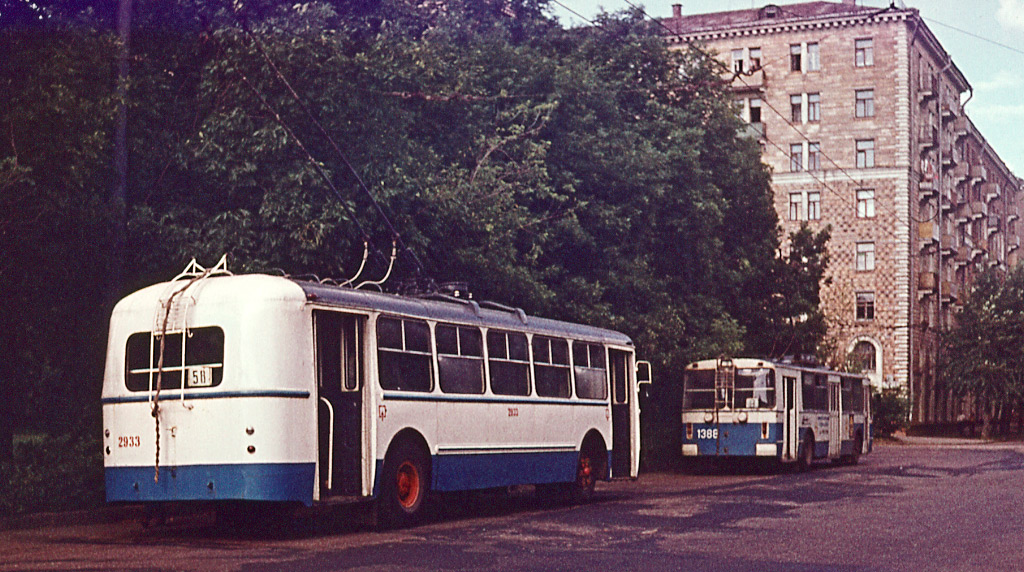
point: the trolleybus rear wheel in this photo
(589, 468)
(406, 485)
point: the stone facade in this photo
(860, 115)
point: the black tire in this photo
(590, 466)
(406, 485)
(806, 453)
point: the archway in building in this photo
(866, 354)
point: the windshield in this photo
(752, 388)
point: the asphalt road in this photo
(932, 505)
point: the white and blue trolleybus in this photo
(223, 387)
(743, 407)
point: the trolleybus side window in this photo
(509, 362)
(203, 353)
(403, 354)
(460, 359)
(815, 391)
(551, 366)
(853, 394)
(589, 368)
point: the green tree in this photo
(982, 356)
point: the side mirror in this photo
(643, 373)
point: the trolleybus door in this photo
(339, 367)
(621, 402)
(790, 421)
(835, 437)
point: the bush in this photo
(53, 473)
(890, 411)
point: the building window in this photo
(865, 203)
(865, 305)
(864, 356)
(796, 104)
(755, 59)
(813, 57)
(796, 157)
(813, 205)
(865, 153)
(737, 61)
(813, 107)
(814, 157)
(865, 103)
(795, 58)
(796, 201)
(865, 52)
(755, 110)
(865, 256)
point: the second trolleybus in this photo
(746, 407)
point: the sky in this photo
(984, 37)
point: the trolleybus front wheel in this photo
(406, 485)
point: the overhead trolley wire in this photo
(396, 236)
(842, 196)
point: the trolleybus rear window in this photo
(551, 366)
(589, 369)
(403, 354)
(460, 359)
(203, 355)
(509, 362)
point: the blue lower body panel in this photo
(732, 439)
(255, 482)
(464, 472)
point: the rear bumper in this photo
(291, 482)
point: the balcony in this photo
(928, 232)
(752, 131)
(995, 224)
(1011, 212)
(960, 173)
(963, 213)
(979, 209)
(949, 111)
(1012, 243)
(926, 189)
(946, 202)
(928, 89)
(749, 80)
(926, 282)
(979, 251)
(928, 138)
(961, 127)
(948, 245)
(978, 173)
(950, 291)
(963, 255)
(990, 191)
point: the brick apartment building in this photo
(860, 113)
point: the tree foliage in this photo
(591, 175)
(982, 357)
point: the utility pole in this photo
(119, 196)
